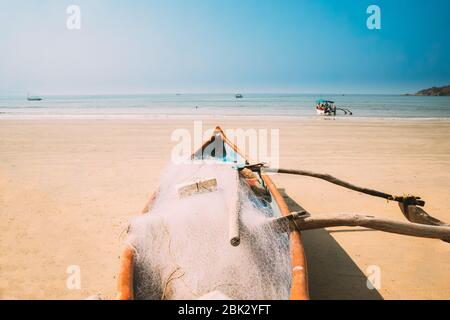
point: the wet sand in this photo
(69, 187)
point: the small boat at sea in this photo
(328, 108)
(325, 108)
(239, 96)
(219, 228)
(33, 98)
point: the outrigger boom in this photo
(421, 223)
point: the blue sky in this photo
(293, 46)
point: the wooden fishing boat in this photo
(420, 224)
(221, 148)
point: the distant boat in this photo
(325, 107)
(328, 108)
(239, 96)
(33, 98)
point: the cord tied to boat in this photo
(289, 222)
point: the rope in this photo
(178, 267)
(170, 279)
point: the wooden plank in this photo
(299, 287)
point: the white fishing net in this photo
(183, 249)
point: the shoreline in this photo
(220, 117)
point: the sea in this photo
(221, 105)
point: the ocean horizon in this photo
(221, 105)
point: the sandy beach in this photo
(69, 187)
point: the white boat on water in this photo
(325, 108)
(33, 98)
(328, 108)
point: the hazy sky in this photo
(223, 46)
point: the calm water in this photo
(192, 105)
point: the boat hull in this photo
(321, 112)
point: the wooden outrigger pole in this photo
(304, 221)
(421, 223)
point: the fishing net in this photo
(183, 249)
